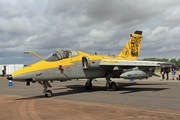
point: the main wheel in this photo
(48, 93)
(113, 86)
(88, 85)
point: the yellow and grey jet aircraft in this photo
(69, 64)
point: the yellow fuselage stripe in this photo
(42, 65)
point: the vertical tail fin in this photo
(132, 48)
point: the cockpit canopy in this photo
(56, 55)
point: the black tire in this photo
(113, 86)
(48, 93)
(88, 85)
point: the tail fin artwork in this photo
(132, 48)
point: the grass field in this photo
(3, 77)
(157, 70)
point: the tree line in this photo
(177, 62)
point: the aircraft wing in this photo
(114, 62)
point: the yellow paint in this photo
(133, 46)
(57, 72)
(126, 54)
(59, 53)
(42, 65)
(111, 61)
(34, 54)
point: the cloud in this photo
(100, 34)
(88, 26)
(171, 16)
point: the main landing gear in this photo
(46, 84)
(88, 84)
(109, 84)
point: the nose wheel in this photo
(48, 93)
(46, 84)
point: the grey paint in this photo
(74, 72)
(95, 69)
(133, 63)
(134, 75)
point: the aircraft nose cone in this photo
(9, 77)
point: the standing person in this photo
(162, 73)
(174, 69)
(3, 71)
(167, 70)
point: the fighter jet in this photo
(71, 64)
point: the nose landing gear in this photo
(46, 84)
(48, 93)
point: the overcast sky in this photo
(104, 26)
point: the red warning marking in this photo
(62, 69)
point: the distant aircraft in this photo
(68, 64)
